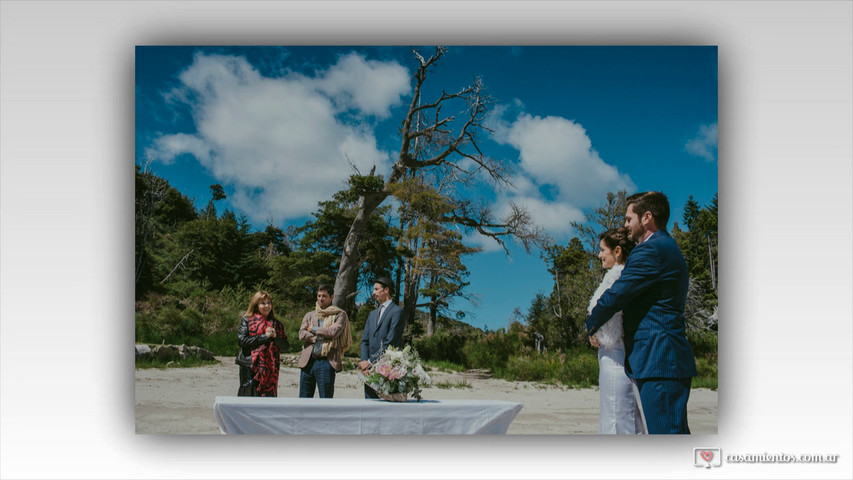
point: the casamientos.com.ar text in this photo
(782, 458)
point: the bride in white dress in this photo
(619, 412)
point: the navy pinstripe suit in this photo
(375, 339)
(651, 293)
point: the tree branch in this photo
(517, 224)
(176, 266)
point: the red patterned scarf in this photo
(265, 359)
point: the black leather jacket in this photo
(247, 343)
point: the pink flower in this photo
(397, 372)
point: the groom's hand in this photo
(364, 365)
(593, 340)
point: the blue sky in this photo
(279, 126)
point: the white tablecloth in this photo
(346, 416)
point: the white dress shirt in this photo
(382, 309)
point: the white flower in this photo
(422, 375)
(398, 371)
(394, 354)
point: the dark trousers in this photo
(665, 404)
(369, 392)
(248, 385)
(317, 374)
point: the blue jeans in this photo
(320, 374)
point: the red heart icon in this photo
(706, 455)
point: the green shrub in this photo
(704, 343)
(355, 349)
(190, 325)
(534, 368)
(166, 323)
(220, 343)
(291, 322)
(444, 366)
(707, 377)
(576, 368)
(580, 368)
(493, 351)
(349, 364)
(188, 314)
(360, 319)
(449, 385)
(441, 347)
(187, 289)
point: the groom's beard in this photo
(637, 236)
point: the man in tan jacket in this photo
(325, 334)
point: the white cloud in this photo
(559, 171)
(167, 148)
(554, 217)
(280, 141)
(556, 152)
(704, 144)
(368, 85)
(486, 244)
(524, 184)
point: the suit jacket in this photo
(651, 293)
(308, 339)
(375, 340)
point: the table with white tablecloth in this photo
(347, 416)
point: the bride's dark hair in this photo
(618, 237)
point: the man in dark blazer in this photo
(651, 293)
(384, 327)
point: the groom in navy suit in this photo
(384, 327)
(651, 293)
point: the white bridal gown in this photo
(619, 411)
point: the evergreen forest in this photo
(196, 269)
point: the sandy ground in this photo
(180, 400)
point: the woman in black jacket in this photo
(261, 338)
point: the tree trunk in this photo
(398, 281)
(711, 262)
(402, 263)
(411, 277)
(433, 315)
(410, 297)
(347, 278)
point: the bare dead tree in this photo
(146, 206)
(432, 139)
(517, 224)
(711, 262)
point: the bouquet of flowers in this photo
(398, 372)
